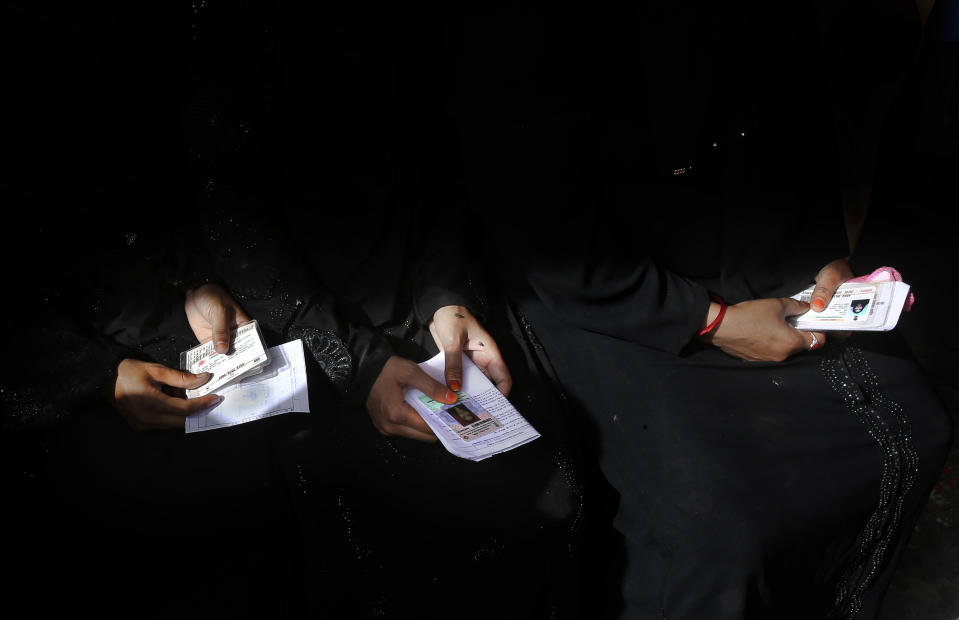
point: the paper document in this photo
(856, 306)
(280, 388)
(480, 423)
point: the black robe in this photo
(328, 515)
(624, 166)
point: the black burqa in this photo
(627, 165)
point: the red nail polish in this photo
(455, 385)
(818, 305)
(451, 397)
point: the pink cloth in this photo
(887, 274)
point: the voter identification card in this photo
(247, 356)
(466, 417)
(856, 306)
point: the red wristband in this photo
(719, 317)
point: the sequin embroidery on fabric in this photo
(848, 373)
(329, 352)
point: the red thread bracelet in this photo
(719, 317)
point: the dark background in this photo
(123, 119)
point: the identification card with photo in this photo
(465, 417)
(856, 306)
(247, 356)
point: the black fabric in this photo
(206, 524)
(611, 171)
(706, 159)
(399, 529)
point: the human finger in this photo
(429, 386)
(222, 315)
(404, 421)
(182, 407)
(239, 316)
(178, 378)
(491, 362)
(498, 373)
(454, 367)
(815, 341)
(794, 307)
(827, 281)
(822, 294)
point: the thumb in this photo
(794, 307)
(454, 368)
(179, 378)
(221, 320)
(431, 387)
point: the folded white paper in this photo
(480, 423)
(281, 388)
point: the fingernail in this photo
(455, 385)
(451, 396)
(817, 305)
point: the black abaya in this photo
(696, 152)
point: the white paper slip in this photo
(247, 356)
(281, 388)
(480, 423)
(856, 306)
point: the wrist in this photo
(714, 317)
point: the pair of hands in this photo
(141, 391)
(757, 331)
(754, 330)
(455, 330)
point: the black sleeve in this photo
(551, 239)
(448, 268)
(240, 249)
(54, 365)
(89, 128)
(637, 301)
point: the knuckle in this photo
(153, 368)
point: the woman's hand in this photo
(390, 413)
(757, 331)
(213, 313)
(455, 329)
(827, 281)
(138, 395)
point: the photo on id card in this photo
(859, 307)
(465, 417)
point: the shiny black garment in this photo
(230, 506)
(109, 238)
(358, 160)
(626, 166)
